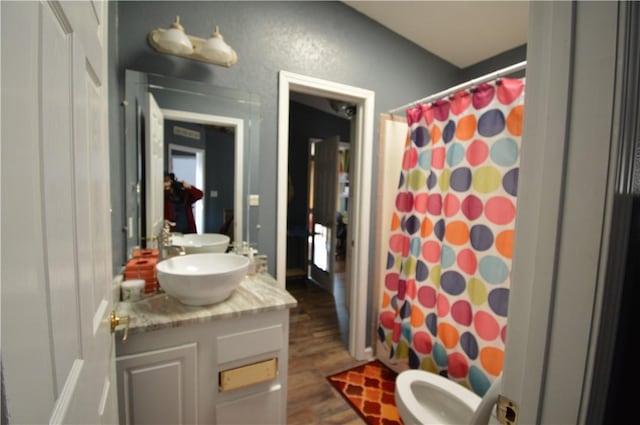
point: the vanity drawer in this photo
(260, 408)
(233, 347)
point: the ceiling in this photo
(462, 33)
(483, 29)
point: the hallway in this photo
(316, 350)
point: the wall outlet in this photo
(254, 200)
(213, 194)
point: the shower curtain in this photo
(446, 288)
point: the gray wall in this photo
(326, 40)
(220, 168)
(502, 60)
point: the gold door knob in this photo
(115, 321)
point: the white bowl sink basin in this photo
(202, 279)
(193, 243)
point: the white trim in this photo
(562, 210)
(100, 314)
(104, 397)
(362, 148)
(65, 398)
(238, 131)
(539, 206)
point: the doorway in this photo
(328, 220)
(236, 126)
(361, 158)
(327, 215)
(188, 165)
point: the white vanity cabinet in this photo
(224, 364)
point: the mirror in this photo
(206, 136)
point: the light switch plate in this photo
(254, 200)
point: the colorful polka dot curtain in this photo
(448, 274)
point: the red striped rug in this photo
(370, 390)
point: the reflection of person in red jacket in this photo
(179, 198)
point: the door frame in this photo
(238, 134)
(361, 191)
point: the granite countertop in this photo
(256, 294)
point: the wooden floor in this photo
(316, 350)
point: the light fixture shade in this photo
(215, 49)
(175, 40)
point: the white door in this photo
(154, 174)
(57, 349)
(325, 207)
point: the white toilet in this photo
(427, 398)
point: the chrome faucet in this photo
(166, 248)
(165, 233)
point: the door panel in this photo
(26, 347)
(159, 387)
(57, 166)
(57, 351)
(325, 207)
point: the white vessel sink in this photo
(202, 279)
(205, 242)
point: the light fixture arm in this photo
(176, 24)
(196, 42)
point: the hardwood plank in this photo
(316, 351)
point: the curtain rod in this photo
(483, 79)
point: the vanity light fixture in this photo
(174, 41)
